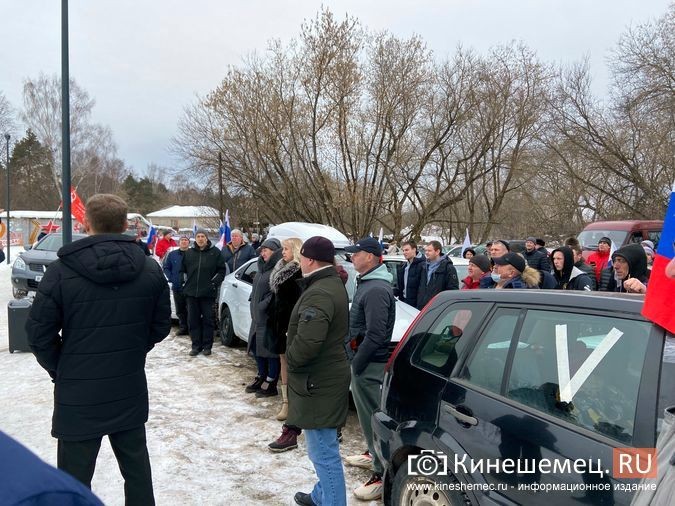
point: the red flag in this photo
(50, 227)
(76, 206)
(658, 306)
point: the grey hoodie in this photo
(371, 317)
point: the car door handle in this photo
(462, 417)
(235, 285)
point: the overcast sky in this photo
(144, 60)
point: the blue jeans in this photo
(268, 367)
(323, 450)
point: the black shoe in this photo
(270, 391)
(339, 435)
(182, 332)
(255, 386)
(304, 499)
(207, 352)
(194, 352)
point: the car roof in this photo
(304, 231)
(622, 225)
(607, 301)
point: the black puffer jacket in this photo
(635, 256)
(204, 270)
(538, 259)
(414, 272)
(110, 304)
(443, 278)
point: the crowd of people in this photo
(310, 346)
(626, 270)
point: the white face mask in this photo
(495, 277)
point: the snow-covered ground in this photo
(207, 438)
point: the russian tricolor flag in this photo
(152, 233)
(658, 306)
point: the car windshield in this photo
(589, 238)
(54, 241)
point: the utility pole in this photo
(66, 222)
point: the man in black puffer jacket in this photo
(204, 270)
(110, 304)
(437, 275)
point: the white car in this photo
(234, 303)
(235, 292)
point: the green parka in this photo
(318, 369)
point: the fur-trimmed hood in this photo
(531, 277)
(282, 272)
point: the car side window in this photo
(249, 272)
(437, 351)
(391, 267)
(636, 237)
(666, 393)
(485, 367)
(655, 237)
(584, 369)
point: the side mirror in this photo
(27, 247)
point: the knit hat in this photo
(648, 244)
(201, 231)
(540, 242)
(505, 243)
(649, 251)
(184, 236)
(512, 259)
(318, 248)
(482, 262)
(271, 243)
(531, 239)
(606, 240)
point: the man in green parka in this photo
(318, 369)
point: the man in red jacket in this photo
(598, 259)
(164, 244)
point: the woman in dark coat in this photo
(261, 332)
(285, 293)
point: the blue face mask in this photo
(495, 277)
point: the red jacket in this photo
(163, 246)
(470, 284)
(599, 262)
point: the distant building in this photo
(184, 217)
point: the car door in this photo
(239, 297)
(505, 403)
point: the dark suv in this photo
(493, 396)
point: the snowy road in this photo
(207, 438)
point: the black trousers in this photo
(200, 321)
(181, 310)
(78, 458)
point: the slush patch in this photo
(308, 314)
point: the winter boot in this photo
(281, 416)
(287, 441)
(255, 385)
(267, 389)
